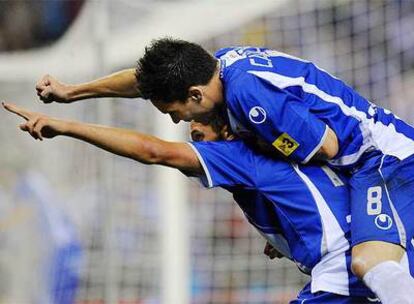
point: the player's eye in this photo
(197, 135)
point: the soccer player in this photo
(301, 112)
(303, 211)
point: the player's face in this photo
(188, 110)
(202, 132)
(200, 104)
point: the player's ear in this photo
(195, 94)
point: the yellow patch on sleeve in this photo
(285, 144)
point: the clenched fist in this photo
(49, 89)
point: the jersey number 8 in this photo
(374, 204)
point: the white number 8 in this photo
(374, 204)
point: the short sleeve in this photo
(277, 116)
(225, 163)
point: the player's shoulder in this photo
(223, 148)
(243, 59)
(239, 66)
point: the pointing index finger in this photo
(16, 110)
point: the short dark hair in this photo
(219, 120)
(170, 67)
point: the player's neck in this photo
(215, 87)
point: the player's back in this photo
(307, 205)
(261, 78)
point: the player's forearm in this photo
(127, 143)
(119, 84)
(143, 148)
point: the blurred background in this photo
(78, 225)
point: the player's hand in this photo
(38, 125)
(49, 89)
(271, 252)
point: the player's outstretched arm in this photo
(119, 84)
(144, 148)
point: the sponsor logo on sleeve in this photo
(257, 115)
(285, 144)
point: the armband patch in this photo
(285, 144)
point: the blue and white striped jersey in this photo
(289, 102)
(301, 210)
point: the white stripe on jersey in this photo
(207, 173)
(390, 141)
(331, 273)
(232, 56)
(336, 181)
(318, 146)
(273, 53)
(375, 134)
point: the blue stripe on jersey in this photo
(308, 204)
(388, 118)
(358, 124)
